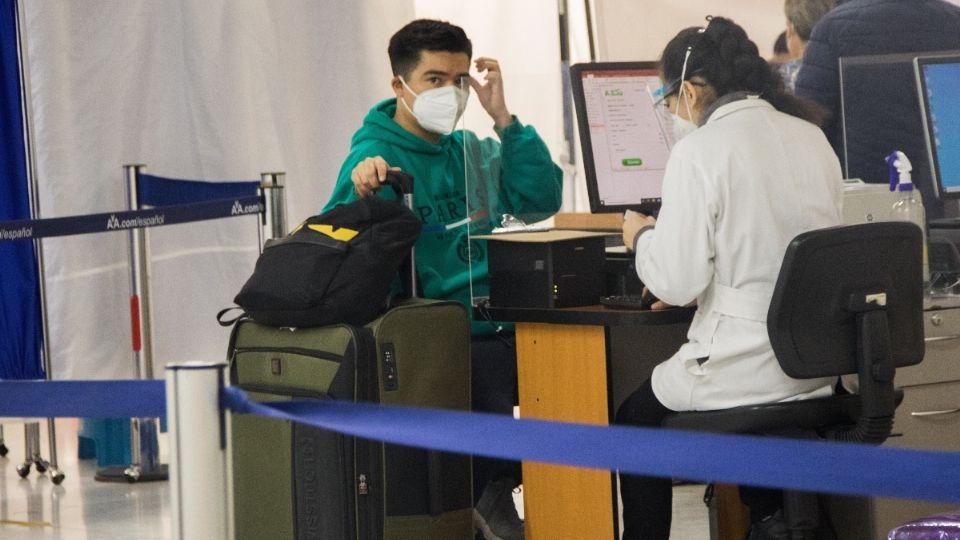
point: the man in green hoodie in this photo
(463, 185)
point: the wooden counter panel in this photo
(564, 502)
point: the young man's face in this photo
(436, 69)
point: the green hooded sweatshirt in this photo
(515, 176)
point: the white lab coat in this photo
(736, 191)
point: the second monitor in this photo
(623, 134)
(938, 80)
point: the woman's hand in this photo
(632, 223)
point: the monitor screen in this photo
(623, 134)
(938, 80)
(879, 115)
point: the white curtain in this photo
(199, 90)
(220, 90)
(631, 30)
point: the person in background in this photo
(719, 240)
(780, 52)
(802, 16)
(877, 27)
(415, 131)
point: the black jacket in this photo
(880, 100)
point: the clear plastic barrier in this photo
(495, 201)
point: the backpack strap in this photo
(230, 322)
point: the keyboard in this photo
(628, 301)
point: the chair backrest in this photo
(830, 279)
(850, 300)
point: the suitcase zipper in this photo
(283, 391)
(369, 477)
(293, 350)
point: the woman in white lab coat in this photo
(753, 171)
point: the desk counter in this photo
(578, 365)
(590, 315)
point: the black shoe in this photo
(772, 527)
(495, 514)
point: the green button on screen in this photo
(632, 162)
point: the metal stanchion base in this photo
(127, 475)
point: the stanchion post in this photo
(140, 295)
(273, 223)
(52, 466)
(55, 474)
(200, 497)
(144, 447)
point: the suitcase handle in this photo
(401, 182)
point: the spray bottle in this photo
(908, 207)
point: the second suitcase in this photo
(295, 481)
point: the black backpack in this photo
(336, 267)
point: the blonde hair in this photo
(804, 14)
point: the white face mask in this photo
(682, 126)
(438, 109)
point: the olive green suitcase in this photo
(295, 481)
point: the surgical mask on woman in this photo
(438, 109)
(682, 126)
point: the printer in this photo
(866, 203)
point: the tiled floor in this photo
(81, 508)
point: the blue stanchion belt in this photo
(118, 221)
(84, 399)
(824, 467)
(159, 191)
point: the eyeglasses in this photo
(660, 94)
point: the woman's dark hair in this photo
(725, 58)
(425, 35)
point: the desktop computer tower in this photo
(546, 272)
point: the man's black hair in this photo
(425, 35)
(780, 45)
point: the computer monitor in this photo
(938, 85)
(880, 114)
(624, 136)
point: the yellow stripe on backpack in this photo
(342, 234)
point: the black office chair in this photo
(848, 300)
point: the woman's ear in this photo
(696, 97)
(691, 92)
